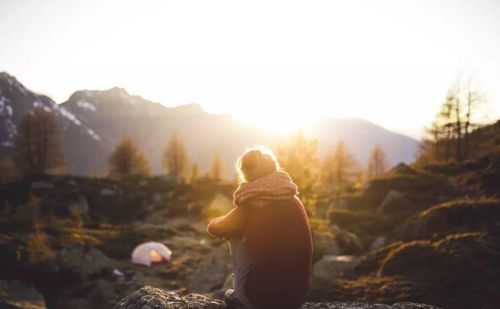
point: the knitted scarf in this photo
(276, 186)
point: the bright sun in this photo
(279, 124)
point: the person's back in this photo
(279, 242)
(270, 237)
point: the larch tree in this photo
(297, 156)
(37, 148)
(127, 160)
(216, 171)
(175, 158)
(449, 135)
(195, 173)
(378, 163)
(475, 103)
(339, 169)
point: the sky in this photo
(277, 64)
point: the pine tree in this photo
(36, 146)
(175, 159)
(127, 160)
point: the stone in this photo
(149, 297)
(152, 298)
(324, 245)
(16, 294)
(378, 242)
(331, 266)
(82, 262)
(212, 271)
(402, 168)
(392, 198)
(348, 242)
(42, 185)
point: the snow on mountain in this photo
(16, 100)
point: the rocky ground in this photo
(427, 236)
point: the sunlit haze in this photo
(275, 64)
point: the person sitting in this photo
(269, 236)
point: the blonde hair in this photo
(256, 162)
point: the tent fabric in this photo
(151, 252)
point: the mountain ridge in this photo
(92, 122)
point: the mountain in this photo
(16, 100)
(115, 114)
(92, 122)
(361, 136)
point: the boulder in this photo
(16, 294)
(392, 200)
(42, 185)
(414, 259)
(212, 271)
(403, 169)
(153, 298)
(149, 297)
(420, 189)
(83, 262)
(331, 266)
(378, 242)
(348, 242)
(324, 244)
(457, 216)
(455, 257)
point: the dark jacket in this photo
(279, 241)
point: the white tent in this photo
(151, 252)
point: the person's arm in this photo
(224, 226)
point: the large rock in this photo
(378, 242)
(420, 189)
(81, 277)
(457, 216)
(211, 272)
(16, 294)
(324, 244)
(462, 268)
(82, 262)
(331, 266)
(403, 169)
(348, 242)
(392, 200)
(153, 298)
